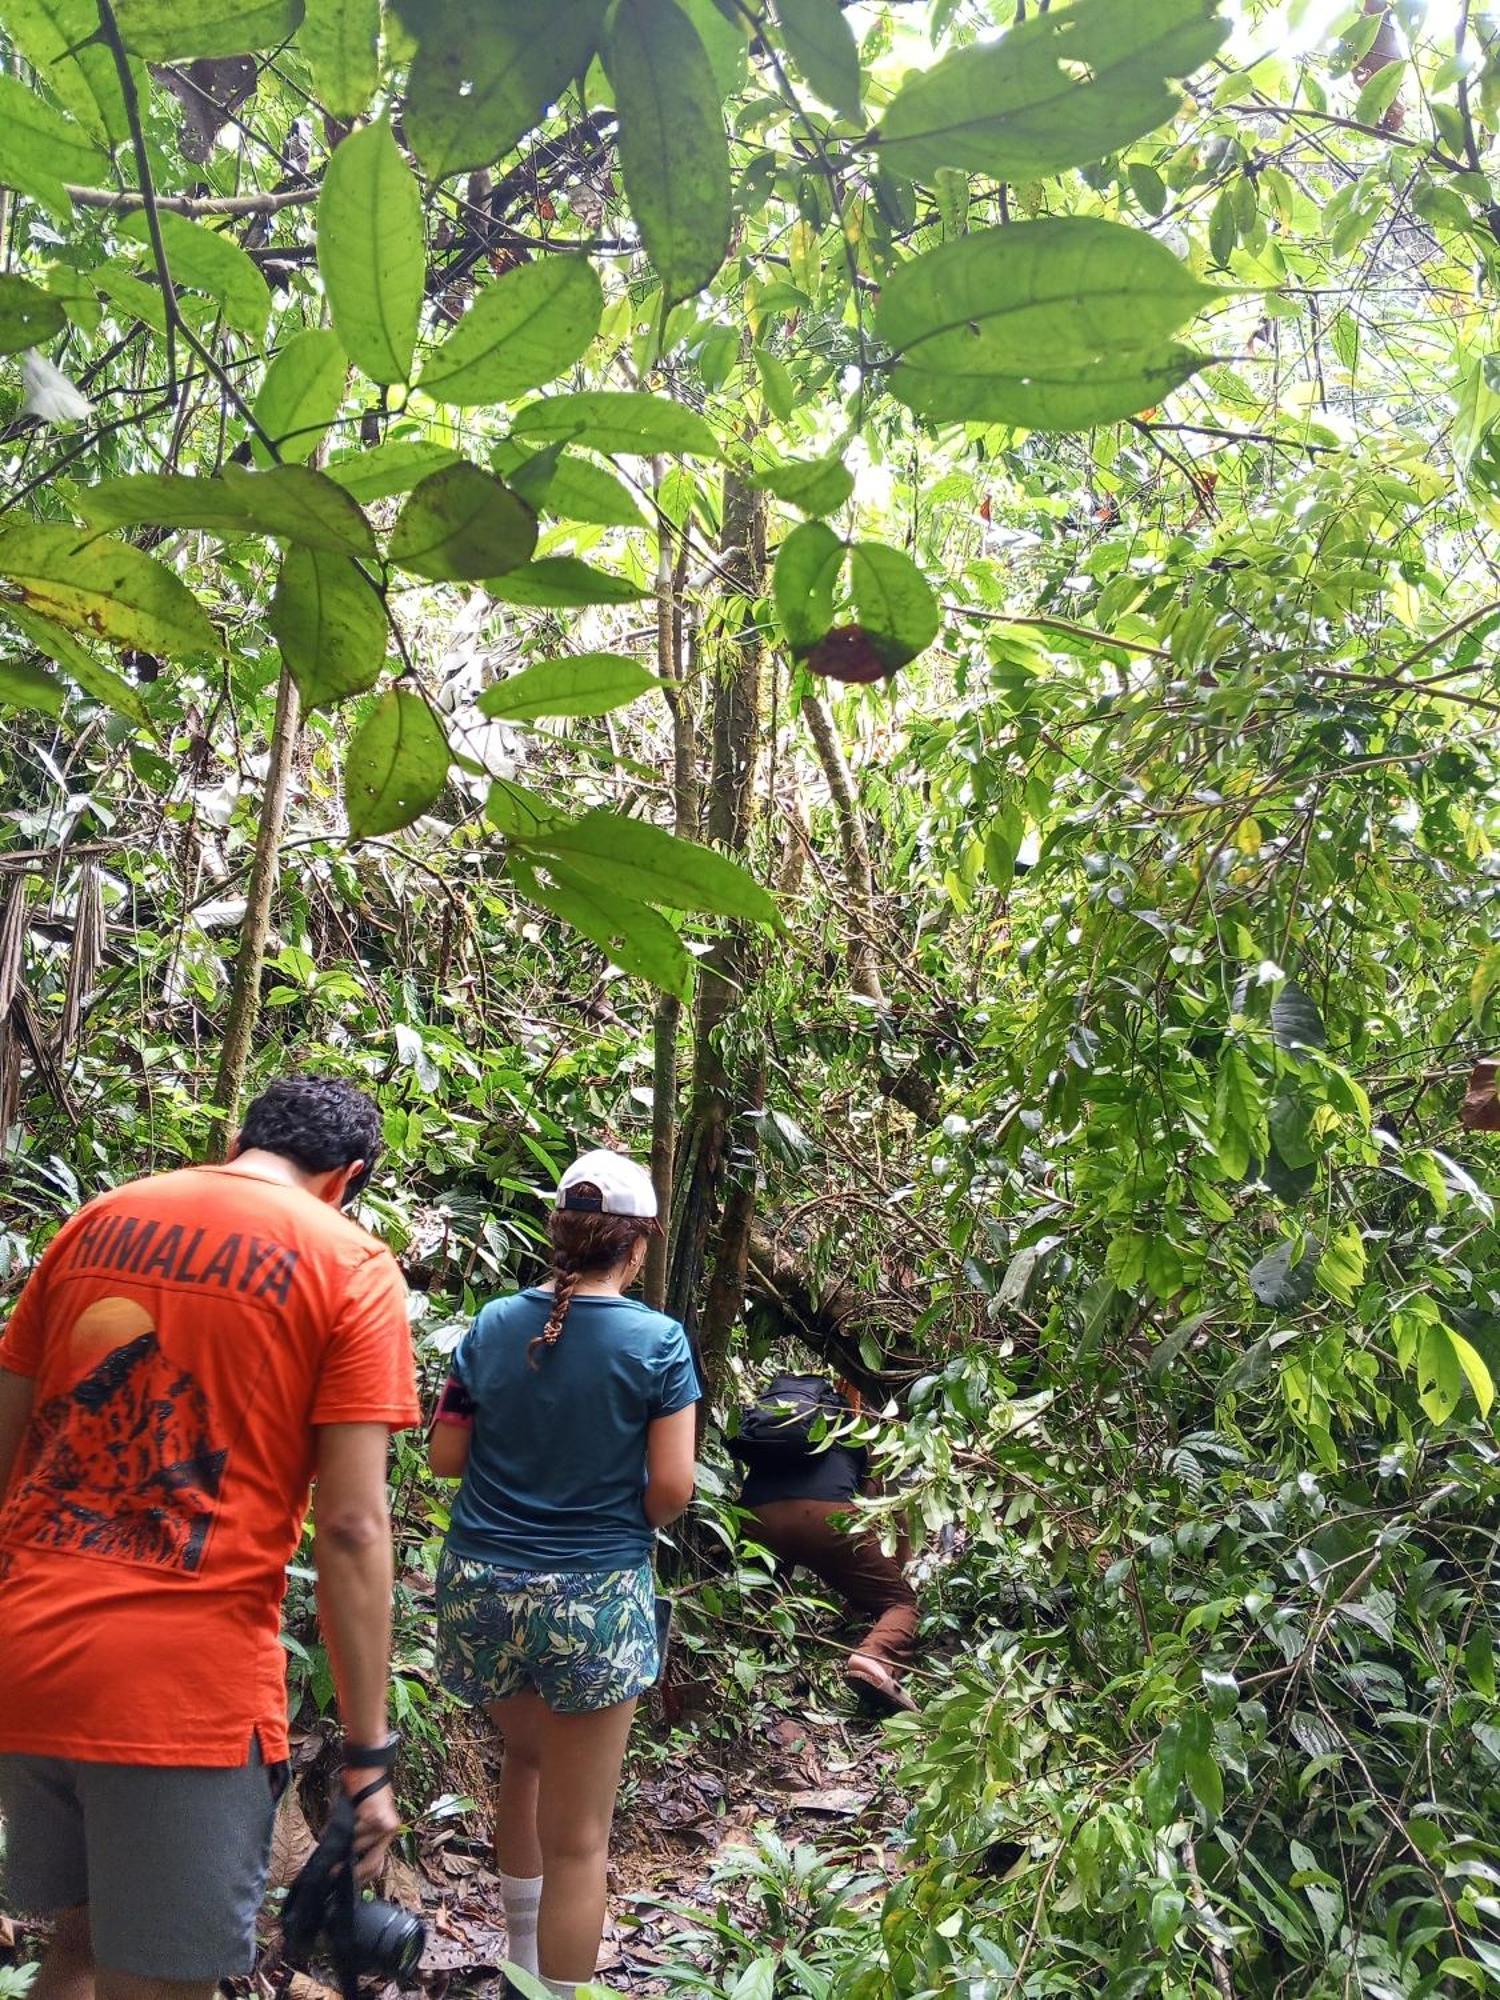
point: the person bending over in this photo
(798, 1485)
(569, 1416)
(189, 1355)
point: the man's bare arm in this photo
(352, 1550)
(17, 1393)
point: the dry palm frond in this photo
(86, 956)
(12, 943)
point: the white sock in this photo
(522, 1897)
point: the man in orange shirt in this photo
(189, 1355)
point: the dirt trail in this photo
(811, 1771)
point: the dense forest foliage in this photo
(891, 606)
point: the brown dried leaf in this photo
(1480, 1111)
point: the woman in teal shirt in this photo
(569, 1416)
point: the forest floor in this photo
(805, 1765)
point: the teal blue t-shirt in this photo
(557, 1462)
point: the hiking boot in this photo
(873, 1681)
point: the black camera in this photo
(324, 1913)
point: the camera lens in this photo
(388, 1941)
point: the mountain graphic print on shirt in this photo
(125, 1463)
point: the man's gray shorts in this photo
(171, 1861)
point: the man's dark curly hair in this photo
(317, 1122)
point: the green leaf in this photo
(571, 488)
(93, 585)
(724, 33)
(521, 331)
(1479, 1659)
(814, 486)
(23, 685)
(301, 505)
(821, 44)
(484, 75)
(1295, 1020)
(1440, 1379)
(164, 500)
(1059, 91)
(1148, 187)
(97, 680)
(1380, 93)
(563, 581)
(518, 813)
(327, 618)
(803, 583)
(34, 137)
(371, 252)
(1290, 1122)
(1057, 324)
(390, 468)
(61, 40)
(341, 40)
(893, 602)
(133, 298)
(462, 524)
(674, 155)
(776, 385)
(396, 766)
(28, 316)
(1283, 1279)
(208, 260)
(300, 396)
(635, 938)
(586, 684)
(1223, 230)
(1476, 1374)
(654, 866)
(617, 420)
(166, 31)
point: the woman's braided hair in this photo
(585, 1243)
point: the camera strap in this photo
(324, 1894)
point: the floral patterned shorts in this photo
(584, 1639)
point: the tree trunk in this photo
(859, 876)
(244, 998)
(715, 1195)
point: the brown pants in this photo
(800, 1534)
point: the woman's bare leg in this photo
(580, 1776)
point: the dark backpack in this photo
(789, 1419)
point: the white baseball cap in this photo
(624, 1187)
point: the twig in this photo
(124, 200)
(110, 28)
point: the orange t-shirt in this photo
(185, 1334)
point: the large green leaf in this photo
(168, 31)
(634, 937)
(575, 489)
(25, 685)
(341, 40)
(1060, 90)
(617, 420)
(462, 524)
(41, 147)
(301, 394)
(301, 505)
(813, 486)
(518, 813)
(1295, 1020)
(803, 583)
(1056, 325)
(654, 866)
(330, 625)
(674, 154)
(562, 582)
(93, 585)
(587, 684)
(396, 765)
(520, 332)
(61, 40)
(27, 316)
(371, 253)
(821, 43)
(485, 74)
(164, 500)
(209, 260)
(724, 32)
(390, 468)
(102, 682)
(893, 602)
